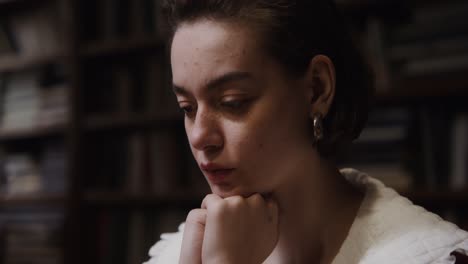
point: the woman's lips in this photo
(215, 173)
(220, 176)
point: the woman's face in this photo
(247, 121)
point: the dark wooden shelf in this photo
(121, 199)
(12, 63)
(32, 133)
(383, 6)
(7, 6)
(444, 198)
(32, 200)
(97, 123)
(448, 85)
(119, 46)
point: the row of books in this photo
(30, 34)
(381, 148)
(23, 173)
(142, 162)
(419, 147)
(26, 103)
(131, 85)
(121, 237)
(31, 237)
(433, 40)
(117, 19)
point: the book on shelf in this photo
(34, 33)
(434, 123)
(134, 86)
(121, 19)
(375, 51)
(138, 166)
(31, 237)
(126, 237)
(165, 162)
(52, 164)
(154, 83)
(418, 47)
(137, 163)
(24, 173)
(380, 150)
(137, 247)
(7, 45)
(432, 40)
(146, 228)
(459, 159)
(25, 104)
(449, 19)
(123, 82)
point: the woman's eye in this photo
(187, 109)
(237, 107)
(233, 104)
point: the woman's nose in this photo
(205, 133)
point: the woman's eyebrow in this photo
(215, 83)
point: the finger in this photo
(256, 199)
(197, 216)
(210, 200)
(192, 240)
(236, 199)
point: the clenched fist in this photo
(230, 230)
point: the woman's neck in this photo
(317, 208)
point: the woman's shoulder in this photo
(389, 228)
(167, 250)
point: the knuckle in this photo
(218, 210)
(196, 216)
(257, 198)
(236, 201)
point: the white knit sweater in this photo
(388, 229)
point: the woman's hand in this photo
(192, 241)
(239, 230)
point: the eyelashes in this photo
(235, 105)
(230, 106)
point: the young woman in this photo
(271, 90)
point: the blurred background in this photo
(94, 162)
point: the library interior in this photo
(87, 108)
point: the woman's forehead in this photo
(205, 49)
(208, 39)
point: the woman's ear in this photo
(320, 80)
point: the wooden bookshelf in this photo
(134, 121)
(122, 46)
(86, 125)
(120, 199)
(7, 6)
(443, 197)
(383, 8)
(14, 63)
(32, 133)
(48, 200)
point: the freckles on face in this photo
(202, 51)
(240, 112)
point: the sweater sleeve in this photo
(167, 250)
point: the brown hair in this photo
(294, 31)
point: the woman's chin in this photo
(225, 192)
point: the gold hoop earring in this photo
(318, 127)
